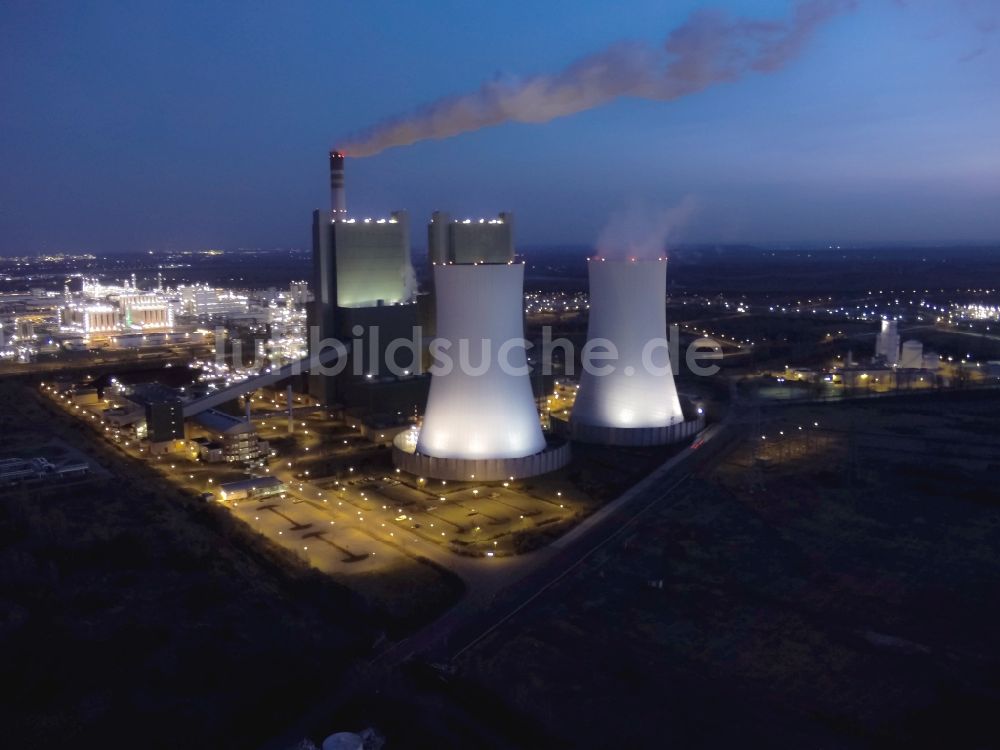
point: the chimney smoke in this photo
(710, 48)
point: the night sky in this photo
(134, 126)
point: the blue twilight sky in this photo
(131, 126)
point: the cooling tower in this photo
(481, 421)
(635, 402)
(477, 410)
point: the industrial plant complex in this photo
(479, 422)
(434, 430)
(507, 376)
(363, 392)
(442, 374)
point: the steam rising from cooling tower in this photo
(640, 232)
(708, 49)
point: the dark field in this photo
(840, 594)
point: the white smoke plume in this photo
(711, 47)
(641, 232)
(410, 285)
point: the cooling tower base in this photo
(555, 456)
(630, 436)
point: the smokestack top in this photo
(338, 204)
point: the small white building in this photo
(912, 355)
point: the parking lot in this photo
(313, 532)
(348, 510)
(466, 517)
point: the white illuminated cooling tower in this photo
(628, 309)
(477, 411)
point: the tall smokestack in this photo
(338, 204)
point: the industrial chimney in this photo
(338, 204)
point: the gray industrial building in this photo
(364, 291)
(367, 261)
(470, 241)
(230, 439)
(466, 241)
(164, 411)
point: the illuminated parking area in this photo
(342, 519)
(314, 534)
(482, 520)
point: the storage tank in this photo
(912, 355)
(476, 408)
(628, 309)
(887, 342)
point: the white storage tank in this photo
(887, 342)
(912, 355)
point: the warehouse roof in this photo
(222, 423)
